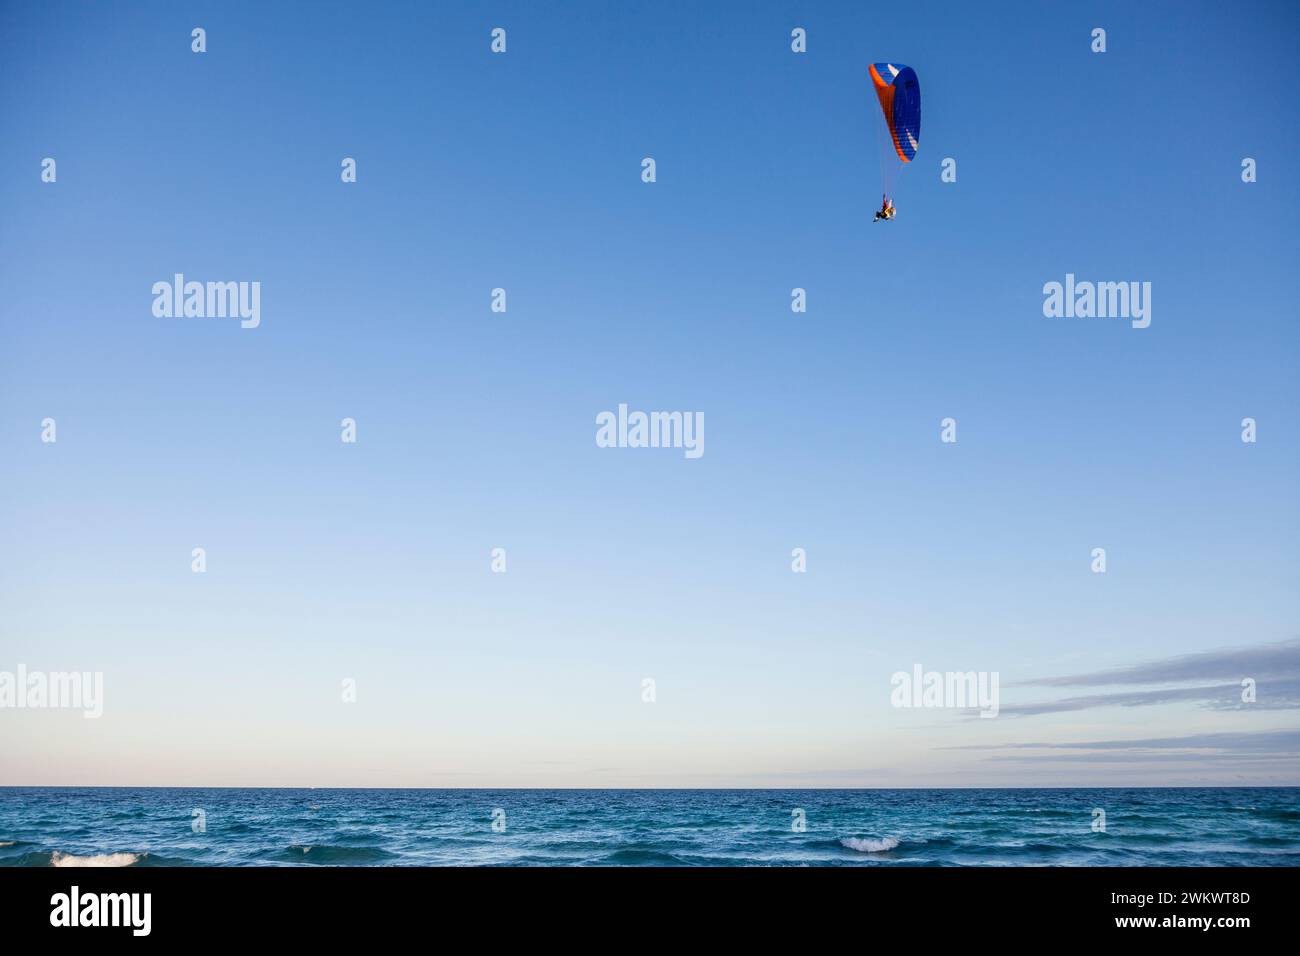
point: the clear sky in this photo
(370, 561)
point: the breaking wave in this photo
(98, 859)
(863, 845)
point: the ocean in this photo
(57, 826)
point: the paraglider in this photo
(899, 93)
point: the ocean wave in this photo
(1280, 814)
(97, 859)
(866, 845)
(641, 856)
(333, 855)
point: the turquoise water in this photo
(155, 827)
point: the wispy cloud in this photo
(1262, 750)
(1280, 660)
(1281, 742)
(1275, 669)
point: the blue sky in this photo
(476, 430)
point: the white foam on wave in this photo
(868, 845)
(99, 859)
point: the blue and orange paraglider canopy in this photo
(899, 93)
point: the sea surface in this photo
(253, 827)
